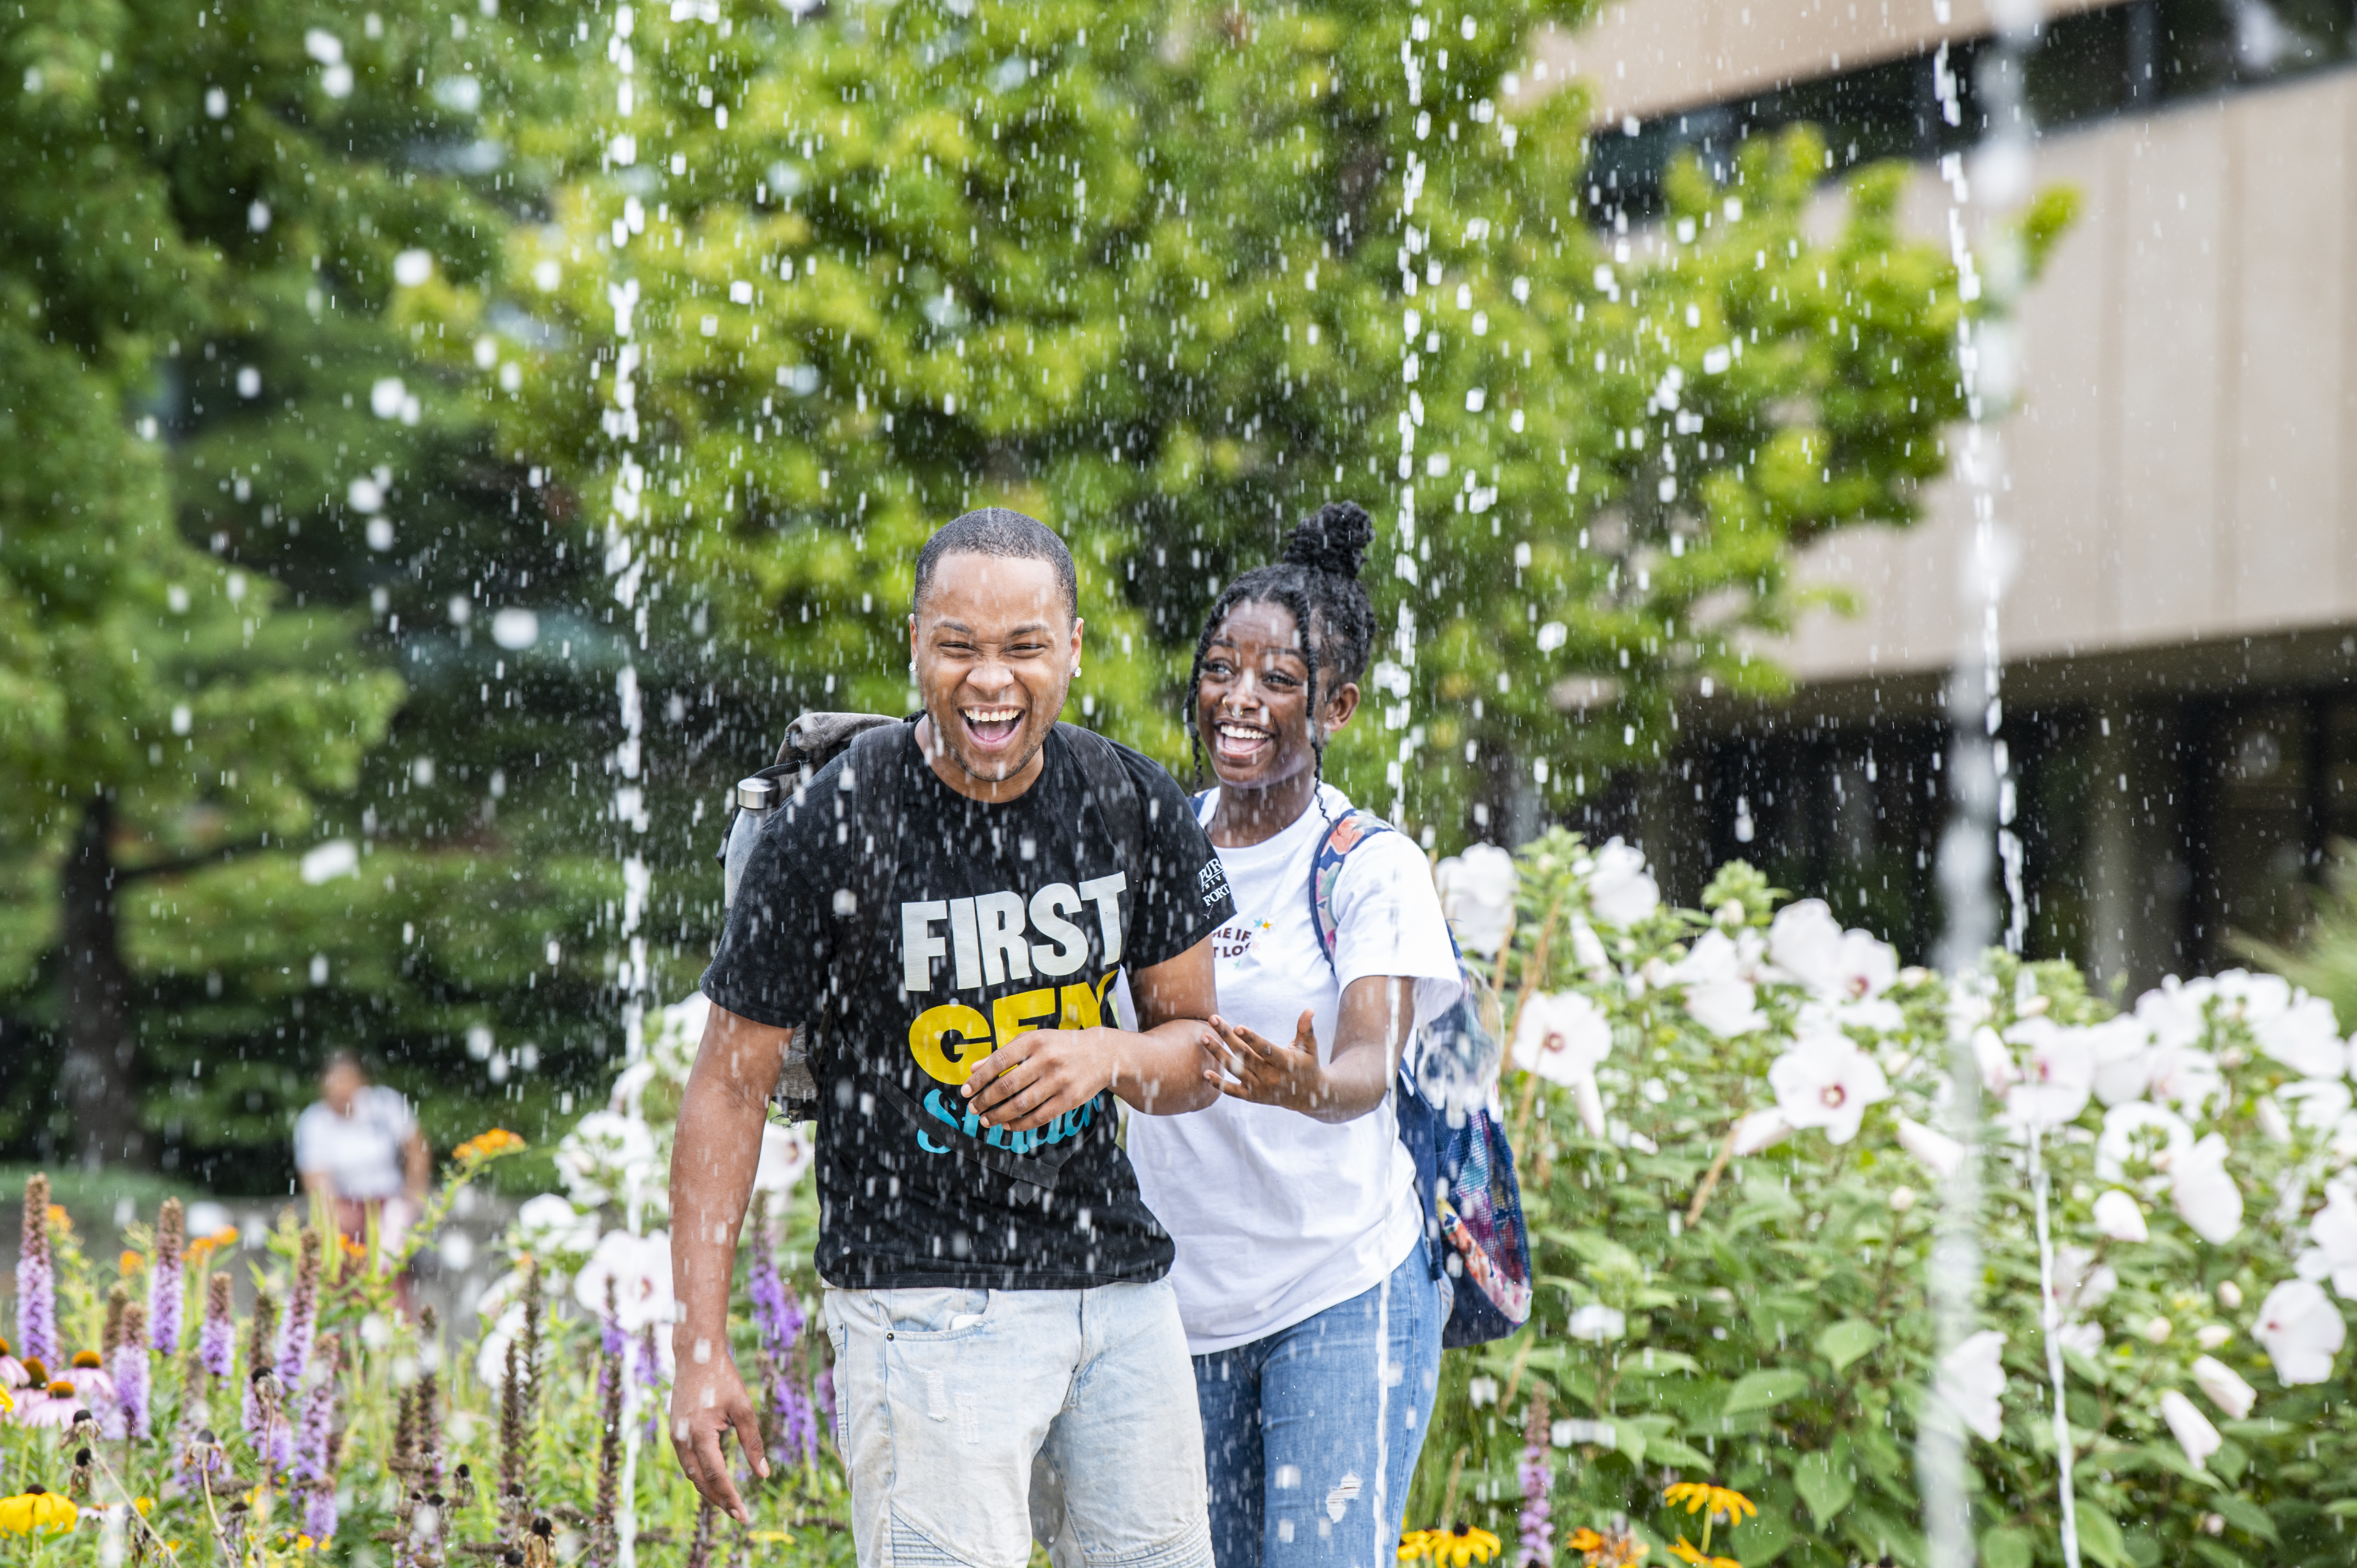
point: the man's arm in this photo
(1163, 1070)
(714, 1154)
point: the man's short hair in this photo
(343, 1056)
(1008, 534)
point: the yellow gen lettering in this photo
(942, 1038)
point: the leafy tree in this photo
(240, 501)
(1170, 279)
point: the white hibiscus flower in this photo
(1971, 1381)
(1824, 1081)
(2301, 1331)
(1477, 893)
(1620, 891)
(2204, 1192)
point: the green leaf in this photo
(1631, 1442)
(1847, 1340)
(2245, 1516)
(2005, 1547)
(1670, 1451)
(2212, 1552)
(1826, 1486)
(2100, 1538)
(1764, 1389)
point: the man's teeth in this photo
(993, 716)
(1238, 732)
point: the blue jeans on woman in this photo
(1310, 1435)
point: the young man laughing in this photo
(945, 909)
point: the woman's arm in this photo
(1370, 1030)
(1038, 1075)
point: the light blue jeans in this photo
(965, 1412)
(1311, 1434)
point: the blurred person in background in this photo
(359, 1149)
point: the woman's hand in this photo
(1290, 1077)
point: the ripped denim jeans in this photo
(1310, 1437)
(973, 1420)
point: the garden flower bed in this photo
(1734, 1126)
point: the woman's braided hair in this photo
(1315, 576)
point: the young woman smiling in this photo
(1311, 1305)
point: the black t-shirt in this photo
(1000, 918)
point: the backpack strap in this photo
(1115, 795)
(1343, 836)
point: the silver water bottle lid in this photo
(757, 794)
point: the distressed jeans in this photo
(1311, 1434)
(971, 1419)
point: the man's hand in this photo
(1040, 1074)
(1289, 1077)
(708, 1402)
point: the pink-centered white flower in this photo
(2306, 1037)
(1808, 943)
(1561, 1036)
(1620, 890)
(2225, 1386)
(1971, 1381)
(2175, 1013)
(1999, 1072)
(2081, 1284)
(640, 1269)
(2301, 1331)
(1718, 972)
(2140, 1137)
(2317, 1104)
(2184, 1076)
(2121, 1047)
(2058, 1072)
(2120, 1217)
(1477, 895)
(2204, 1192)
(2333, 1230)
(2190, 1427)
(1761, 1129)
(1826, 1081)
(1940, 1155)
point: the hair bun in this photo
(1332, 539)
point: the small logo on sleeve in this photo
(1212, 882)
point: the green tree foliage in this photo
(239, 506)
(1173, 277)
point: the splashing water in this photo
(1980, 838)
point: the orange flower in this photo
(129, 1262)
(487, 1145)
(1615, 1550)
(204, 1247)
(60, 1220)
(1453, 1547)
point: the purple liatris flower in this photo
(311, 1461)
(37, 1281)
(131, 1374)
(320, 1516)
(302, 1317)
(650, 1373)
(166, 1284)
(217, 1340)
(778, 1318)
(1536, 1521)
(822, 1386)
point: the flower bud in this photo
(1902, 1198)
(2230, 1295)
(2158, 1330)
(2213, 1524)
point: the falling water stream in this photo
(1980, 839)
(626, 563)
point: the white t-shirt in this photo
(1279, 1216)
(359, 1154)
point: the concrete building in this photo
(2181, 634)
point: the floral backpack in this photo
(1462, 1159)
